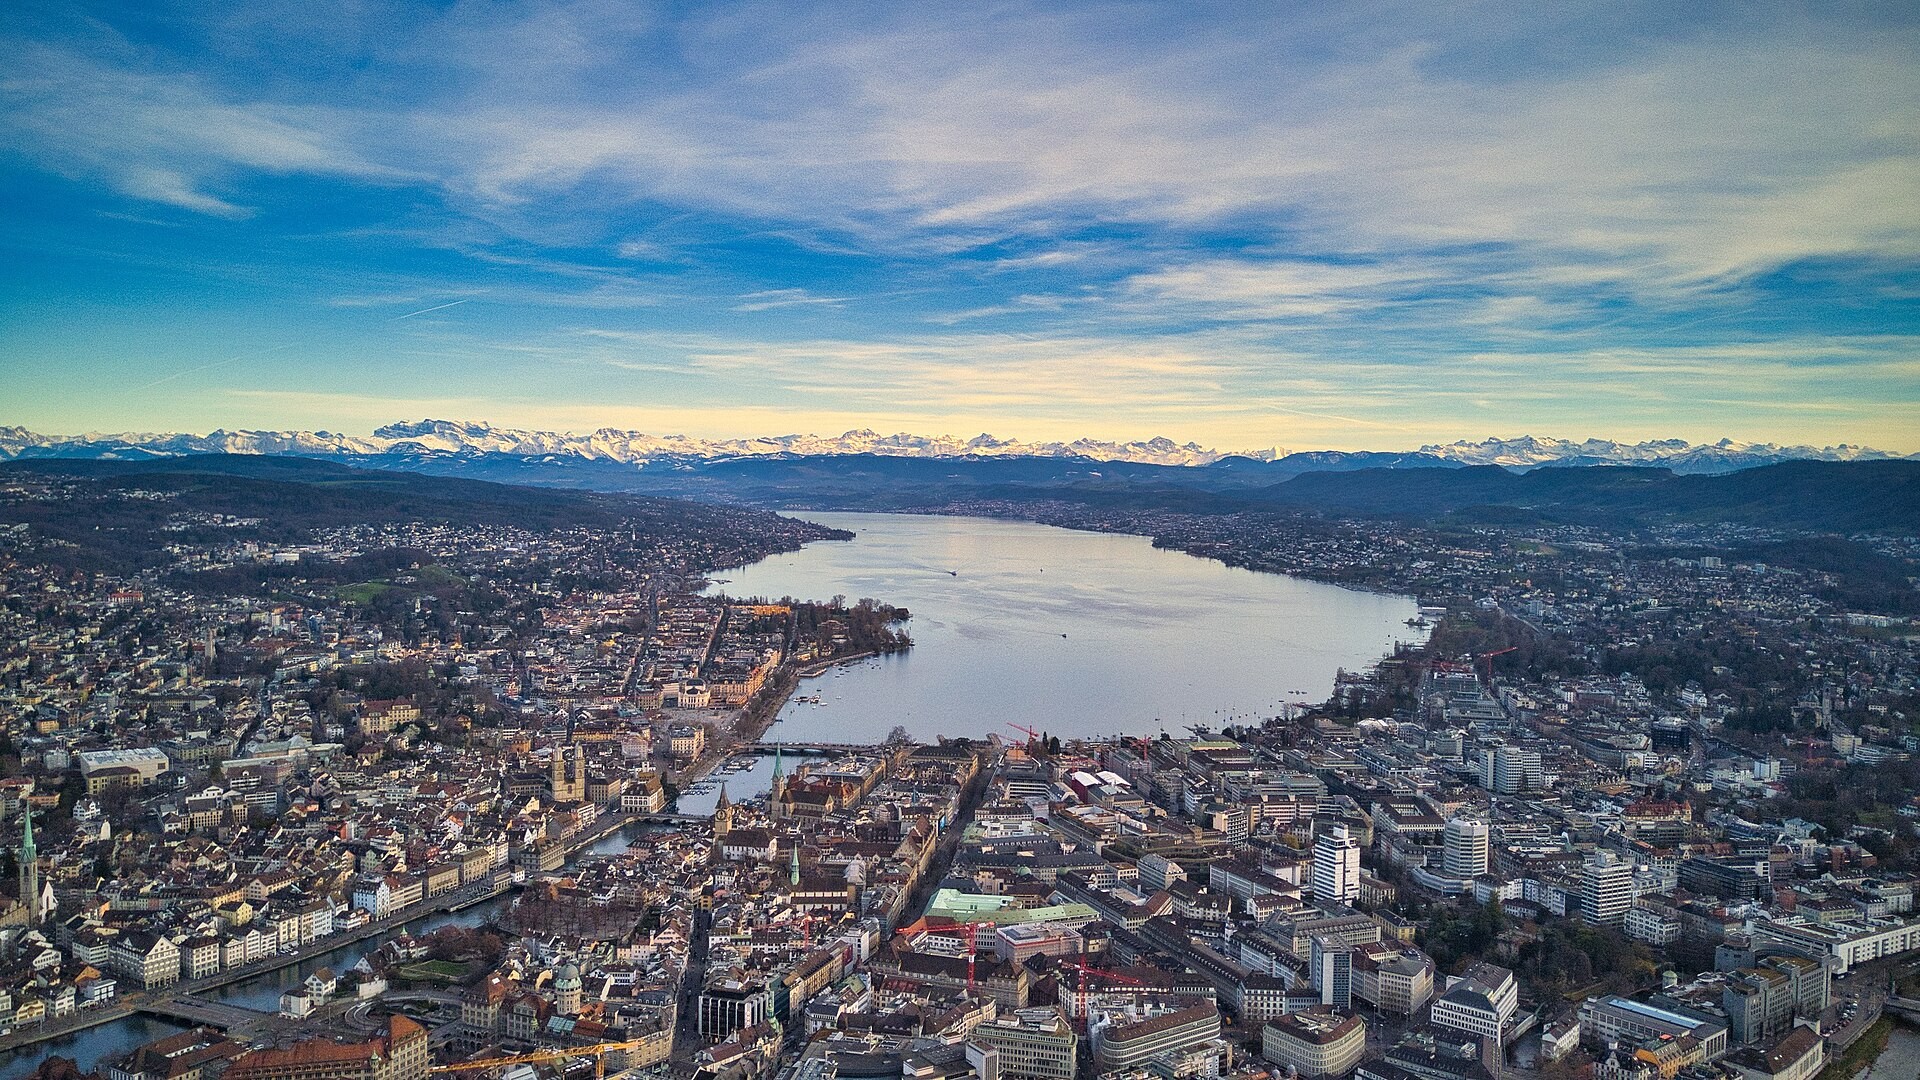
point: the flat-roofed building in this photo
(1315, 1042)
(1121, 1041)
(1481, 1002)
(105, 769)
(1616, 1019)
(1032, 1043)
(1391, 977)
(1842, 945)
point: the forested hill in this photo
(1820, 496)
(116, 516)
(1816, 496)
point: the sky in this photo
(1305, 225)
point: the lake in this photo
(1073, 633)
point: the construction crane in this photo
(599, 1052)
(1487, 658)
(973, 948)
(968, 935)
(1085, 972)
(1032, 735)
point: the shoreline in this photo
(1417, 638)
(1371, 590)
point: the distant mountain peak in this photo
(1726, 455)
(477, 437)
(437, 436)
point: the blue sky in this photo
(1249, 225)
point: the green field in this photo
(363, 593)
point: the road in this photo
(686, 1024)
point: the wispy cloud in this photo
(772, 299)
(1323, 214)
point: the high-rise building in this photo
(1331, 971)
(1467, 847)
(1336, 866)
(1516, 770)
(728, 1005)
(1606, 889)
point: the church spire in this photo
(793, 864)
(29, 869)
(722, 814)
(778, 787)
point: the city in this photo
(1040, 540)
(1594, 817)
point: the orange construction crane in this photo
(599, 1051)
(1032, 735)
(1487, 658)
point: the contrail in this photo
(209, 367)
(424, 310)
(264, 352)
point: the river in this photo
(1900, 1060)
(94, 1045)
(1073, 633)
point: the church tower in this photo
(29, 869)
(793, 864)
(722, 815)
(568, 776)
(778, 789)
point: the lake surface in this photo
(1073, 633)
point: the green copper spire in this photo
(29, 869)
(793, 865)
(777, 771)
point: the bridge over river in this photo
(236, 1021)
(805, 748)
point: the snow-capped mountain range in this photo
(1727, 455)
(451, 437)
(606, 444)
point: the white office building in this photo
(1606, 889)
(1336, 866)
(1468, 850)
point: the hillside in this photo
(1803, 495)
(116, 515)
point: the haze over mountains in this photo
(415, 439)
